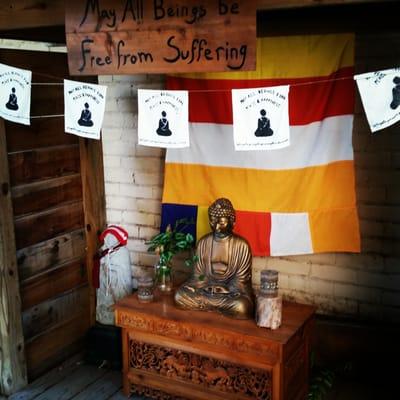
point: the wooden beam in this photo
(93, 205)
(21, 14)
(12, 355)
(282, 4)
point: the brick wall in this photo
(364, 286)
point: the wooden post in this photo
(12, 356)
(94, 207)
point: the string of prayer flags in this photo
(163, 118)
(84, 105)
(380, 96)
(261, 118)
(15, 94)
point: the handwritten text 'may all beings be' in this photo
(134, 10)
(126, 52)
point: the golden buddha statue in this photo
(221, 279)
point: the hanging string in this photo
(222, 90)
(190, 91)
(290, 84)
(47, 84)
(47, 116)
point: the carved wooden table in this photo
(174, 354)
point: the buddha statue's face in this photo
(221, 226)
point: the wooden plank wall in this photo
(12, 354)
(50, 237)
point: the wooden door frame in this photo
(94, 206)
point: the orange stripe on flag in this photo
(293, 190)
(335, 229)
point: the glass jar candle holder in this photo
(145, 291)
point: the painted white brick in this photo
(356, 292)
(360, 261)
(156, 193)
(110, 135)
(157, 221)
(147, 233)
(111, 188)
(133, 231)
(151, 206)
(121, 203)
(113, 216)
(118, 175)
(331, 273)
(112, 161)
(385, 281)
(146, 258)
(143, 178)
(133, 217)
(147, 151)
(137, 245)
(105, 79)
(287, 266)
(143, 164)
(296, 282)
(136, 191)
(320, 287)
(115, 91)
(119, 148)
(330, 305)
(127, 105)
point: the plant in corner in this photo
(168, 244)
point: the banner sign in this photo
(160, 36)
(261, 118)
(84, 106)
(163, 118)
(15, 94)
(380, 95)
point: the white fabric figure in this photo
(115, 273)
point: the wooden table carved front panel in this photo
(174, 354)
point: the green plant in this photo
(322, 378)
(321, 383)
(173, 241)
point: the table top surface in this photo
(294, 316)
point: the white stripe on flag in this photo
(318, 143)
(290, 234)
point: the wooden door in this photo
(57, 193)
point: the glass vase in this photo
(164, 278)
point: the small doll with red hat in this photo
(115, 274)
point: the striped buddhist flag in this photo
(295, 200)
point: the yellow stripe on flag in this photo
(294, 57)
(202, 225)
(292, 190)
(335, 229)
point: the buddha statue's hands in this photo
(215, 290)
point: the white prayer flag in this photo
(163, 118)
(15, 94)
(84, 105)
(380, 96)
(261, 118)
